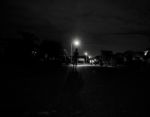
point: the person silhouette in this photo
(75, 58)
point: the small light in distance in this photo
(146, 52)
(85, 53)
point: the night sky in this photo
(117, 25)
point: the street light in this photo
(90, 57)
(76, 43)
(86, 54)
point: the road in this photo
(111, 92)
(89, 91)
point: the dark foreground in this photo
(64, 92)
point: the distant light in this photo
(95, 60)
(90, 57)
(85, 53)
(91, 61)
(145, 52)
(34, 52)
(76, 42)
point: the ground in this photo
(88, 91)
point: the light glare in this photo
(76, 42)
(85, 53)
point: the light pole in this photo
(76, 43)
